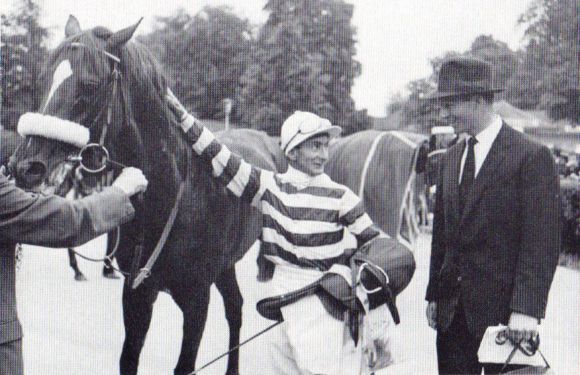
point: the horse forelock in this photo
(143, 84)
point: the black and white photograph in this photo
(289, 187)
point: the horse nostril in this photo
(35, 169)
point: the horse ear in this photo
(121, 37)
(73, 27)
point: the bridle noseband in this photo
(136, 275)
(115, 76)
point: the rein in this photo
(133, 278)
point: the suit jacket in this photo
(499, 255)
(48, 221)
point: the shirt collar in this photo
(489, 134)
(301, 179)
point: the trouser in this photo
(457, 349)
(302, 347)
(11, 362)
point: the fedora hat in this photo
(461, 76)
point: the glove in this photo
(522, 327)
(131, 181)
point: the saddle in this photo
(384, 267)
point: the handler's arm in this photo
(540, 244)
(57, 222)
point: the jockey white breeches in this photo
(309, 341)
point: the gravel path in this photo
(76, 327)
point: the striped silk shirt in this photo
(308, 221)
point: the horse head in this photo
(97, 87)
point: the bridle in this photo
(136, 275)
(115, 76)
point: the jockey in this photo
(310, 225)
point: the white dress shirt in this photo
(484, 141)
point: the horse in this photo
(114, 88)
(9, 142)
(383, 167)
(85, 184)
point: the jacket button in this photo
(459, 278)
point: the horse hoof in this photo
(80, 277)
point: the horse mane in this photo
(145, 80)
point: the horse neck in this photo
(163, 152)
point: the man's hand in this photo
(432, 314)
(175, 105)
(522, 327)
(131, 181)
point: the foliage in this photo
(205, 56)
(570, 198)
(543, 75)
(22, 55)
(551, 59)
(304, 60)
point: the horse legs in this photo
(194, 303)
(137, 313)
(227, 284)
(72, 261)
(112, 243)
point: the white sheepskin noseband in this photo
(53, 128)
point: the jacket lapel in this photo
(487, 174)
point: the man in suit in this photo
(496, 234)
(56, 222)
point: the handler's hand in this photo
(432, 314)
(131, 181)
(522, 327)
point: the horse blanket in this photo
(381, 168)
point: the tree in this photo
(551, 60)
(304, 60)
(424, 114)
(205, 55)
(22, 48)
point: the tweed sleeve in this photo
(238, 176)
(54, 221)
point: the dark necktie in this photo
(468, 173)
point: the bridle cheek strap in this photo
(53, 128)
